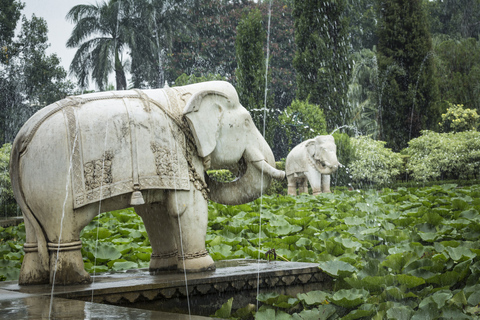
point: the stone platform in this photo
(10, 221)
(167, 292)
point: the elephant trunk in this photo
(266, 168)
(255, 175)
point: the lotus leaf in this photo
(225, 310)
(459, 204)
(349, 298)
(357, 314)
(400, 313)
(451, 312)
(321, 313)
(124, 265)
(460, 253)
(313, 297)
(220, 252)
(337, 268)
(105, 252)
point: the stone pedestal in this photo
(207, 291)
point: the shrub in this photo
(184, 80)
(223, 175)
(302, 121)
(7, 201)
(373, 163)
(452, 155)
(457, 119)
(345, 154)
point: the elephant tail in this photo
(19, 146)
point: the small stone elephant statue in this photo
(314, 159)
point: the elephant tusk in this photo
(264, 166)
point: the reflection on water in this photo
(37, 307)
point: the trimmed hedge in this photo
(441, 156)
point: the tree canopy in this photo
(29, 78)
(373, 65)
(321, 58)
(101, 34)
(409, 98)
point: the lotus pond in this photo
(410, 253)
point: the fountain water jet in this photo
(68, 177)
(263, 133)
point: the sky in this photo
(59, 29)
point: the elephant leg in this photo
(326, 183)
(32, 270)
(161, 231)
(190, 212)
(315, 179)
(303, 186)
(292, 185)
(66, 261)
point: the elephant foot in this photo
(163, 262)
(316, 193)
(303, 190)
(66, 264)
(32, 271)
(196, 262)
(292, 190)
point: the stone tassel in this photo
(137, 198)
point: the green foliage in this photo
(212, 48)
(455, 18)
(321, 60)
(10, 11)
(221, 175)
(303, 120)
(345, 155)
(436, 156)
(11, 251)
(104, 32)
(397, 254)
(45, 80)
(362, 18)
(225, 311)
(100, 34)
(409, 94)
(7, 199)
(250, 73)
(363, 97)
(278, 187)
(183, 79)
(30, 79)
(406, 253)
(115, 241)
(373, 163)
(457, 119)
(152, 27)
(458, 64)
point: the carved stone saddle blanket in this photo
(126, 141)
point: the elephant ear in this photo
(311, 146)
(203, 111)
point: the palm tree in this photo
(101, 35)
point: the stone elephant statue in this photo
(313, 160)
(149, 149)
